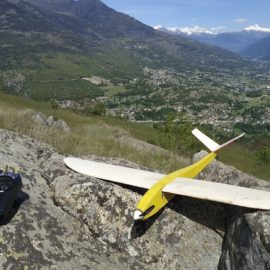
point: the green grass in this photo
(244, 160)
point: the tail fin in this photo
(209, 143)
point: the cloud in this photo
(240, 20)
(256, 27)
(194, 29)
(189, 30)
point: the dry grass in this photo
(89, 136)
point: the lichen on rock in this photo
(71, 221)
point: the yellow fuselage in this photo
(154, 199)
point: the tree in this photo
(98, 109)
(176, 134)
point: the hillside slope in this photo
(96, 16)
(64, 40)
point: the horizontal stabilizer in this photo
(230, 141)
(209, 143)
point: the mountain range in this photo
(93, 17)
(259, 50)
(52, 40)
(252, 42)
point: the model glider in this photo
(162, 188)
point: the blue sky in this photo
(232, 15)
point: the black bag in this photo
(10, 186)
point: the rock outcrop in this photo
(70, 221)
(41, 119)
(247, 237)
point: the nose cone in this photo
(137, 215)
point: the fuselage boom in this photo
(154, 199)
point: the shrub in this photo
(263, 155)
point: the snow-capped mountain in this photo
(233, 41)
(257, 28)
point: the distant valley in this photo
(83, 53)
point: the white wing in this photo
(218, 192)
(200, 189)
(114, 173)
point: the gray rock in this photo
(42, 235)
(247, 238)
(247, 241)
(50, 121)
(72, 221)
(62, 125)
(41, 119)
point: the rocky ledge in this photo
(70, 221)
